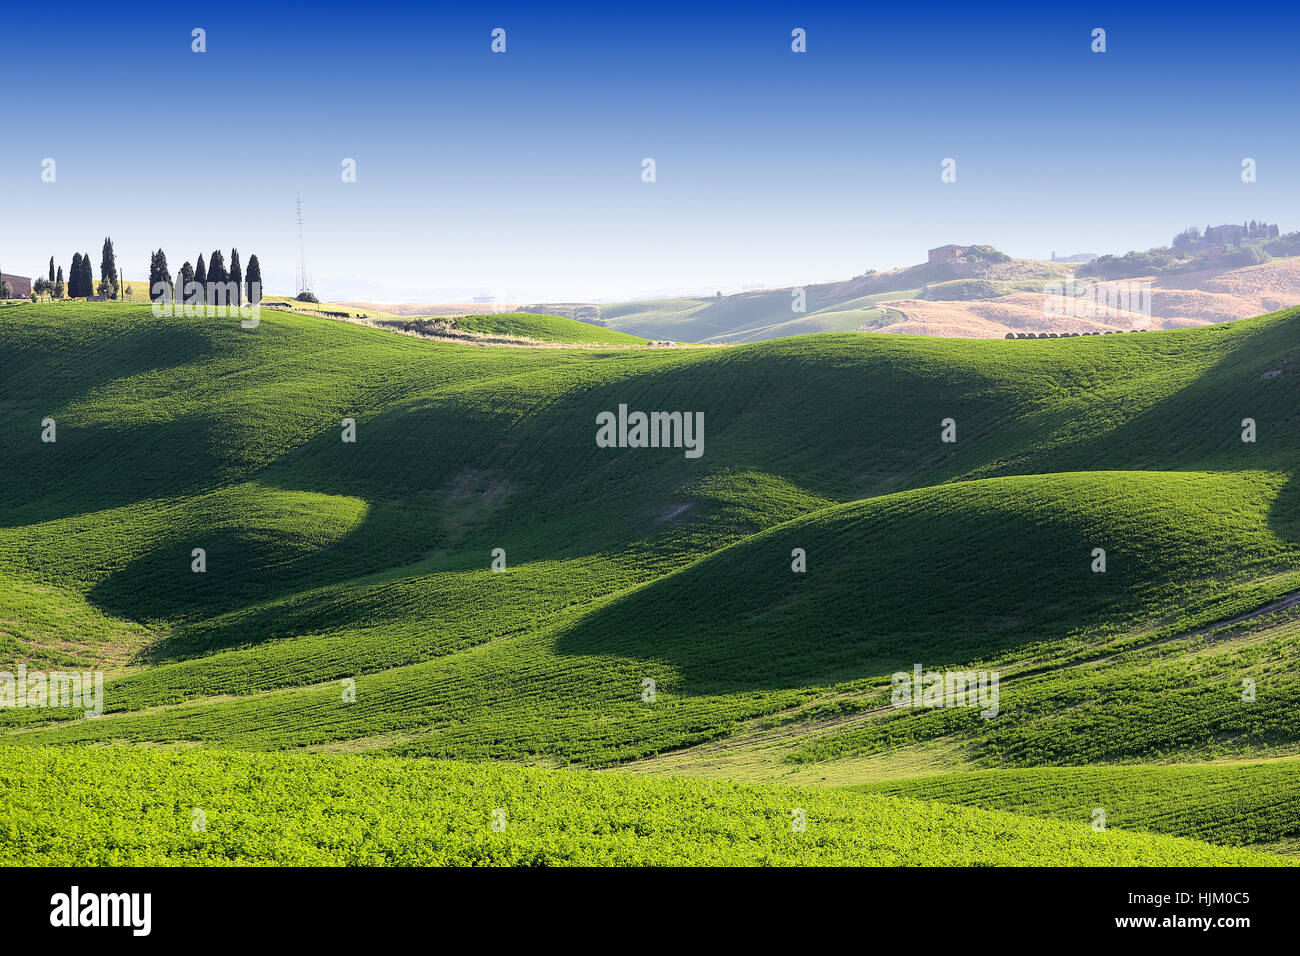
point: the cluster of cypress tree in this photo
(212, 282)
(215, 281)
(81, 277)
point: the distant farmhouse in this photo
(948, 252)
(22, 287)
(1230, 235)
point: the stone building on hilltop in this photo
(948, 252)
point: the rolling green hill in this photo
(334, 566)
(754, 316)
(521, 328)
(544, 328)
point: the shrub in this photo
(1248, 255)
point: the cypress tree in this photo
(74, 277)
(58, 285)
(108, 267)
(254, 280)
(217, 278)
(164, 273)
(158, 273)
(51, 268)
(201, 277)
(236, 276)
(108, 262)
(87, 276)
(184, 280)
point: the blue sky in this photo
(520, 173)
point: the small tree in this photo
(59, 288)
(6, 290)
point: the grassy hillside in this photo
(115, 806)
(543, 328)
(1233, 804)
(751, 316)
(331, 562)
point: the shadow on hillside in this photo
(1199, 426)
(887, 587)
(944, 576)
(249, 560)
(1284, 519)
(99, 467)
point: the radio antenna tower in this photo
(304, 275)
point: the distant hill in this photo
(1178, 300)
(498, 328)
(828, 307)
(958, 298)
(1227, 273)
(421, 308)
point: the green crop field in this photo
(1234, 804)
(109, 807)
(645, 616)
(543, 328)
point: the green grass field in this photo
(366, 565)
(92, 807)
(544, 328)
(1233, 804)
